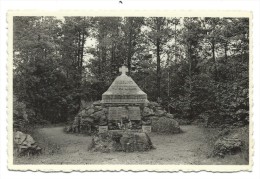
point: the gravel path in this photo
(193, 146)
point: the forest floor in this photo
(193, 146)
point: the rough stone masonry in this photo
(124, 117)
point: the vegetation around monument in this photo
(197, 69)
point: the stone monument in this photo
(124, 100)
(122, 120)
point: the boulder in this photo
(147, 120)
(87, 125)
(225, 146)
(90, 111)
(83, 113)
(169, 115)
(153, 104)
(131, 142)
(147, 112)
(99, 114)
(86, 120)
(97, 108)
(160, 113)
(25, 144)
(126, 141)
(232, 141)
(103, 142)
(97, 103)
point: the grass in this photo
(192, 146)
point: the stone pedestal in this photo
(125, 141)
(124, 106)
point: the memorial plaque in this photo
(134, 113)
(102, 129)
(122, 112)
(147, 129)
(116, 113)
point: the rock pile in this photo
(232, 141)
(126, 141)
(24, 144)
(89, 118)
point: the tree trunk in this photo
(112, 68)
(129, 54)
(78, 51)
(158, 68)
(190, 84)
(226, 49)
(214, 59)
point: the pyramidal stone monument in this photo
(123, 119)
(124, 91)
(123, 130)
(124, 100)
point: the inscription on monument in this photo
(117, 113)
(134, 113)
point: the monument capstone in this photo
(124, 90)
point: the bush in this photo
(20, 117)
(165, 125)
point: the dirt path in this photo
(190, 147)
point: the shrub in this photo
(165, 125)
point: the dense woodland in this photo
(197, 68)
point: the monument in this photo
(124, 100)
(122, 120)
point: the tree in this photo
(158, 34)
(199, 70)
(76, 30)
(132, 30)
(191, 36)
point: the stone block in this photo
(147, 129)
(102, 129)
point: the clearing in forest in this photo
(193, 146)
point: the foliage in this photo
(20, 116)
(197, 67)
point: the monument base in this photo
(126, 141)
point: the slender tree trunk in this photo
(129, 54)
(158, 68)
(226, 49)
(190, 84)
(82, 53)
(78, 50)
(175, 41)
(112, 60)
(214, 59)
(168, 90)
(80, 61)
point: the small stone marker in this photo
(147, 129)
(134, 113)
(102, 129)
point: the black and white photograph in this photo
(130, 90)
